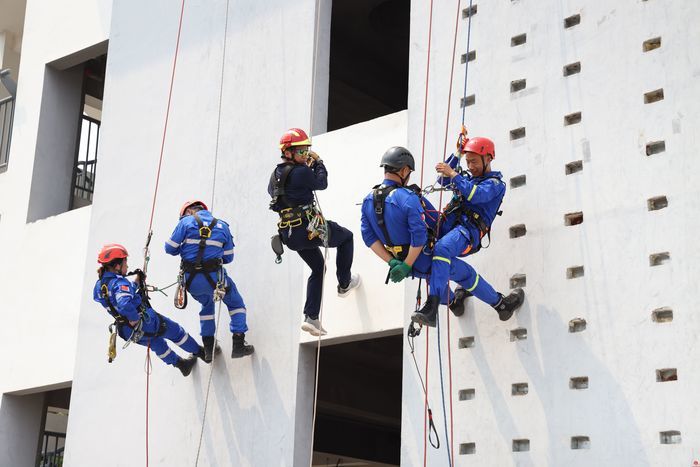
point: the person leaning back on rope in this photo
(467, 220)
(205, 244)
(302, 227)
(134, 319)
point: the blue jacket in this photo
(404, 217)
(482, 195)
(185, 239)
(302, 181)
(125, 300)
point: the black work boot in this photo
(428, 314)
(457, 304)
(506, 306)
(185, 365)
(208, 342)
(240, 348)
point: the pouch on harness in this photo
(457, 206)
(200, 267)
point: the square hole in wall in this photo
(518, 334)
(521, 445)
(465, 342)
(654, 96)
(655, 147)
(572, 21)
(517, 231)
(469, 11)
(651, 44)
(467, 448)
(466, 394)
(662, 315)
(580, 442)
(666, 374)
(572, 68)
(518, 133)
(467, 101)
(578, 382)
(518, 85)
(574, 272)
(471, 56)
(518, 181)
(670, 437)
(577, 325)
(573, 167)
(659, 259)
(518, 280)
(573, 218)
(520, 39)
(572, 119)
(656, 203)
(519, 389)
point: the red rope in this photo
(422, 162)
(167, 115)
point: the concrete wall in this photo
(624, 408)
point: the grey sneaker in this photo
(354, 283)
(313, 327)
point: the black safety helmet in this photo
(397, 158)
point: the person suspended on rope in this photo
(205, 244)
(467, 220)
(134, 319)
(301, 225)
(398, 224)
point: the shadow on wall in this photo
(540, 369)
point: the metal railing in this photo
(51, 453)
(86, 162)
(7, 112)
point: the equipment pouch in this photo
(277, 247)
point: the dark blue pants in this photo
(310, 252)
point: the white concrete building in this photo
(592, 106)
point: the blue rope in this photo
(442, 390)
(466, 63)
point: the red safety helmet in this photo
(294, 137)
(481, 146)
(110, 252)
(189, 204)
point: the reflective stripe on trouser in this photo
(448, 248)
(174, 333)
(201, 290)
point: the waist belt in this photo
(205, 267)
(294, 217)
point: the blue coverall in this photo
(185, 242)
(301, 183)
(126, 301)
(458, 235)
(407, 224)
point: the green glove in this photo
(399, 272)
(393, 262)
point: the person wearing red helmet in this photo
(302, 227)
(134, 318)
(477, 198)
(205, 244)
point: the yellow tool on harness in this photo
(112, 349)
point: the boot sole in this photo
(420, 318)
(241, 355)
(314, 331)
(347, 292)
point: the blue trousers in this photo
(310, 252)
(202, 291)
(446, 266)
(174, 333)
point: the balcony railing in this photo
(7, 112)
(52, 448)
(86, 163)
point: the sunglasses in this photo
(302, 151)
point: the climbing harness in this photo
(199, 266)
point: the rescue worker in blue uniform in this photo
(467, 220)
(398, 225)
(205, 244)
(135, 320)
(302, 227)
